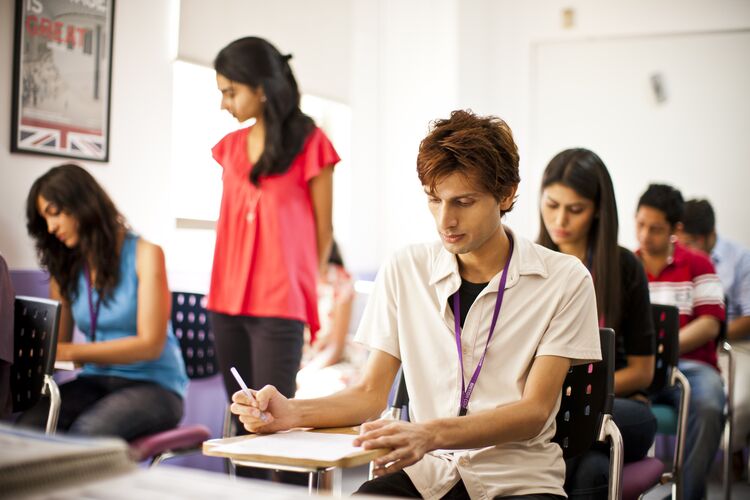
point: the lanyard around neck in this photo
(93, 310)
(466, 391)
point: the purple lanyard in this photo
(466, 391)
(93, 310)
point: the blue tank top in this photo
(118, 318)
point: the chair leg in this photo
(158, 459)
(54, 406)
(169, 454)
(729, 424)
(727, 455)
(612, 433)
(679, 449)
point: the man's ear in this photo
(678, 228)
(507, 202)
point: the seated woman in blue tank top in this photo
(112, 284)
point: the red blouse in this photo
(266, 258)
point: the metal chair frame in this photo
(725, 349)
(51, 312)
(666, 321)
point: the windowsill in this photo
(204, 224)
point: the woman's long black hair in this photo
(585, 173)
(75, 191)
(255, 62)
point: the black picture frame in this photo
(62, 78)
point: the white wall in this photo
(317, 34)
(137, 172)
(406, 66)
(498, 39)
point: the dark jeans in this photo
(398, 484)
(110, 406)
(587, 475)
(264, 351)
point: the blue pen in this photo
(247, 392)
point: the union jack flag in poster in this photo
(60, 139)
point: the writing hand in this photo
(268, 411)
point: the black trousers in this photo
(398, 484)
(264, 351)
(95, 405)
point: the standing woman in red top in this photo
(274, 231)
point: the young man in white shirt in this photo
(484, 392)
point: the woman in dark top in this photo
(579, 217)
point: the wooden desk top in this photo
(353, 460)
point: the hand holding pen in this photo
(249, 394)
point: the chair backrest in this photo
(667, 326)
(35, 324)
(192, 328)
(723, 325)
(398, 397)
(587, 395)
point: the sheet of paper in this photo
(296, 444)
(65, 365)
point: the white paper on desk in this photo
(65, 365)
(296, 444)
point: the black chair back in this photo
(723, 325)
(587, 395)
(35, 324)
(193, 330)
(667, 326)
(400, 394)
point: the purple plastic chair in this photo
(639, 477)
(192, 329)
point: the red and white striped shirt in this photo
(690, 283)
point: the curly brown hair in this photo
(479, 147)
(75, 191)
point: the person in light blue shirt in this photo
(732, 263)
(112, 285)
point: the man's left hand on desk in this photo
(409, 443)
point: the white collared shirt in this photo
(549, 309)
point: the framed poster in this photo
(62, 71)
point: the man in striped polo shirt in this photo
(681, 277)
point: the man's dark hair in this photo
(665, 198)
(479, 147)
(698, 217)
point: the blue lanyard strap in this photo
(466, 391)
(93, 310)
